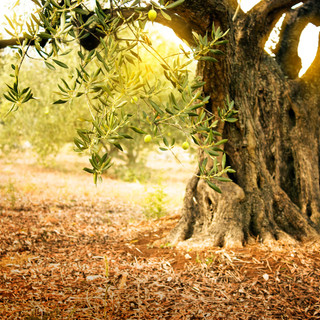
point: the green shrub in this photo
(155, 203)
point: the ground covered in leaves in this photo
(69, 250)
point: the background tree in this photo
(273, 147)
(43, 127)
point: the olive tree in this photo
(254, 120)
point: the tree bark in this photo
(274, 146)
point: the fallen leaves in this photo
(93, 258)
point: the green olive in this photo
(152, 15)
(147, 138)
(185, 145)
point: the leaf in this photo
(126, 136)
(35, 19)
(213, 186)
(175, 4)
(121, 104)
(192, 114)
(137, 130)
(221, 42)
(79, 144)
(155, 106)
(206, 58)
(95, 178)
(44, 35)
(80, 54)
(165, 141)
(212, 153)
(223, 161)
(94, 163)
(60, 64)
(117, 145)
(104, 157)
(195, 140)
(217, 52)
(9, 98)
(204, 163)
(88, 170)
(197, 106)
(80, 11)
(106, 165)
(60, 101)
(164, 66)
(173, 99)
(135, 3)
(231, 119)
(169, 111)
(165, 15)
(198, 85)
(66, 52)
(10, 23)
(223, 179)
(36, 2)
(222, 141)
(61, 89)
(154, 3)
(28, 96)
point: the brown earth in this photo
(69, 250)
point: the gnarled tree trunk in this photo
(274, 147)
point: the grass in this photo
(154, 206)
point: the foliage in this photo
(111, 75)
(41, 126)
(155, 203)
(46, 128)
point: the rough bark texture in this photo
(274, 147)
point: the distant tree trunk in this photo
(274, 147)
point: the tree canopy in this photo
(111, 74)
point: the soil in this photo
(70, 250)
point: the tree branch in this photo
(201, 14)
(182, 29)
(274, 7)
(265, 16)
(10, 42)
(180, 26)
(293, 25)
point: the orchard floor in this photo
(70, 250)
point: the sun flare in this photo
(246, 5)
(308, 46)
